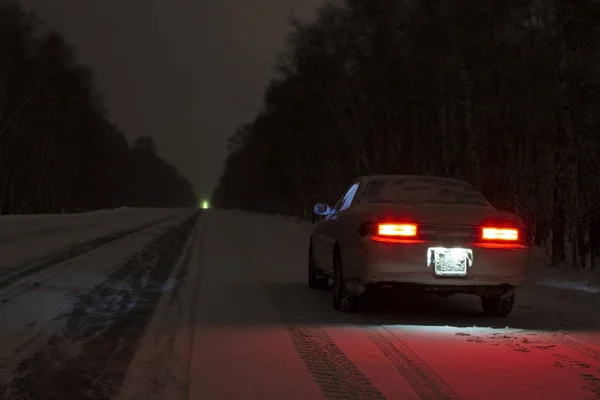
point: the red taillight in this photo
(402, 230)
(504, 234)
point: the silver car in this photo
(429, 233)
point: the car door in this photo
(329, 231)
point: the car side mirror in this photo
(321, 209)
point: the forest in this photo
(59, 150)
(501, 93)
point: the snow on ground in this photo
(31, 304)
(25, 240)
(21, 217)
(160, 368)
(259, 328)
(20, 224)
(542, 273)
(226, 313)
(44, 315)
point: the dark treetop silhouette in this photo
(58, 150)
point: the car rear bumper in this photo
(381, 262)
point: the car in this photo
(418, 232)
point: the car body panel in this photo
(392, 262)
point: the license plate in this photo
(449, 261)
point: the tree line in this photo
(501, 93)
(59, 151)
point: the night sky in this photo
(185, 72)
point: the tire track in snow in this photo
(160, 368)
(89, 357)
(37, 334)
(425, 381)
(69, 253)
(334, 373)
(591, 378)
(581, 347)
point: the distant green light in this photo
(205, 204)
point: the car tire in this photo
(343, 301)
(496, 306)
(314, 280)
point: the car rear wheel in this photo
(314, 280)
(496, 306)
(342, 300)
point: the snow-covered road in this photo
(176, 304)
(262, 334)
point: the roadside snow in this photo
(584, 286)
(31, 223)
(542, 273)
(8, 217)
(30, 309)
(23, 241)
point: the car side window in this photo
(348, 197)
(339, 202)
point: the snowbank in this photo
(23, 241)
(12, 217)
(543, 273)
(11, 225)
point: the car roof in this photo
(368, 178)
(431, 182)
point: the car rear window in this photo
(407, 190)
